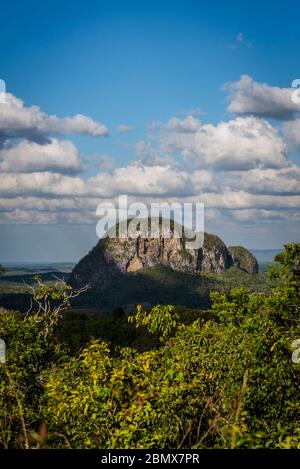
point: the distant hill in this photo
(128, 255)
(157, 270)
(150, 285)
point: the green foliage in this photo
(161, 320)
(157, 285)
(51, 293)
(28, 355)
(289, 264)
(223, 379)
(212, 241)
(76, 328)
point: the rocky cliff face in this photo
(243, 259)
(128, 255)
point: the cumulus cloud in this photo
(45, 197)
(55, 156)
(188, 125)
(72, 200)
(283, 181)
(19, 121)
(19, 216)
(104, 162)
(261, 215)
(160, 160)
(246, 96)
(240, 199)
(135, 179)
(41, 183)
(143, 148)
(239, 169)
(291, 132)
(125, 128)
(239, 144)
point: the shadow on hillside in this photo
(153, 286)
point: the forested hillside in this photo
(222, 378)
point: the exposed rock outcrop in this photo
(129, 255)
(214, 255)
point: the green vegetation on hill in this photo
(162, 285)
(243, 259)
(212, 241)
(154, 285)
(184, 378)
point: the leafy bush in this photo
(225, 379)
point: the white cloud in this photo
(19, 121)
(241, 170)
(143, 148)
(55, 156)
(239, 144)
(20, 216)
(41, 183)
(270, 181)
(260, 215)
(187, 125)
(79, 206)
(160, 160)
(16, 216)
(239, 199)
(125, 128)
(135, 179)
(50, 204)
(104, 162)
(291, 132)
(249, 97)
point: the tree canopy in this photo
(224, 381)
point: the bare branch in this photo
(45, 298)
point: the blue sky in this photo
(134, 63)
(141, 61)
